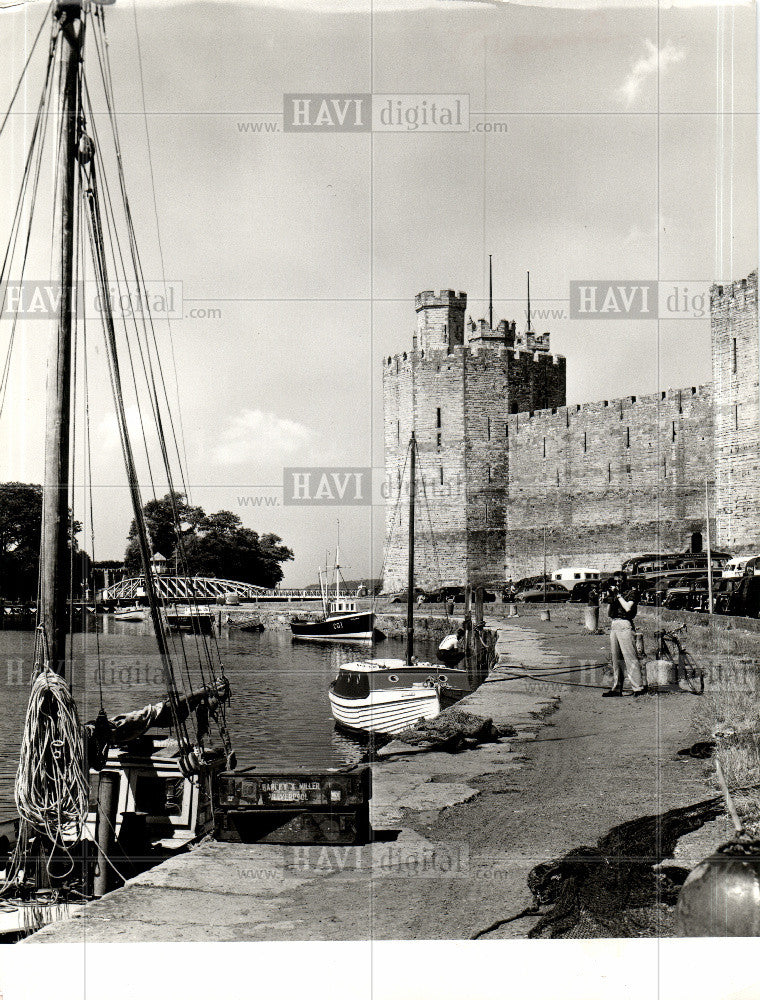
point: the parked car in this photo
(579, 593)
(752, 566)
(544, 593)
(723, 592)
(614, 581)
(689, 596)
(745, 600)
(529, 582)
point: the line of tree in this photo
(20, 528)
(212, 544)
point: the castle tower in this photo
(440, 320)
(457, 396)
(736, 417)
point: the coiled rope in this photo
(52, 786)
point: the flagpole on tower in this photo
(528, 301)
(490, 293)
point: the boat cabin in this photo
(341, 606)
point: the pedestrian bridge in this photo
(198, 588)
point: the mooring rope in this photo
(52, 787)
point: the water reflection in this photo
(279, 716)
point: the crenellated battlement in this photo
(740, 294)
(478, 354)
(445, 299)
(608, 478)
(673, 399)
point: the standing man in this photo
(592, 618)
(623, 608)
(510, 598)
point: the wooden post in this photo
(480, 653)
(478, 605)
(105, 831)
(54, 576)
(709, 552)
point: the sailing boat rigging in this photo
(113, 784)
(386, 696)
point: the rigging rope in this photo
(146, 358)
(32, 168)
(26, 64)
(52, 787)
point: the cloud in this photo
(107, 431)
(255, 436)
(646, 67)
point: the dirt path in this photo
(597, 763)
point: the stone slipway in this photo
(229, 892)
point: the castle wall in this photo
(736, 381)
(507, 459)
(607, 480)
(498, 381)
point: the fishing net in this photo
(614, 889)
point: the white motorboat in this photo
(135, 614)
(386, 696)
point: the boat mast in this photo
(55, 497)
(337, 564)
(410, 566)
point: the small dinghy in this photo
(250, 624)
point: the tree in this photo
(223, 547)
(165, 519)
(214, 544)
(20, 529)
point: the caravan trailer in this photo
(570, 575)
(741, 566)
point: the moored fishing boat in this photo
(190, 618)
(341, 620)
(342, 623)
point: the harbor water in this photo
(279, 716)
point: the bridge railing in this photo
(203, 588)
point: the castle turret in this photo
(440, 320)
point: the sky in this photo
(626, 150)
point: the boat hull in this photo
(183, 619)
(359, 627)
(385, 712)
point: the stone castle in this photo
(508, 469)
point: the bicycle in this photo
(688, 674)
